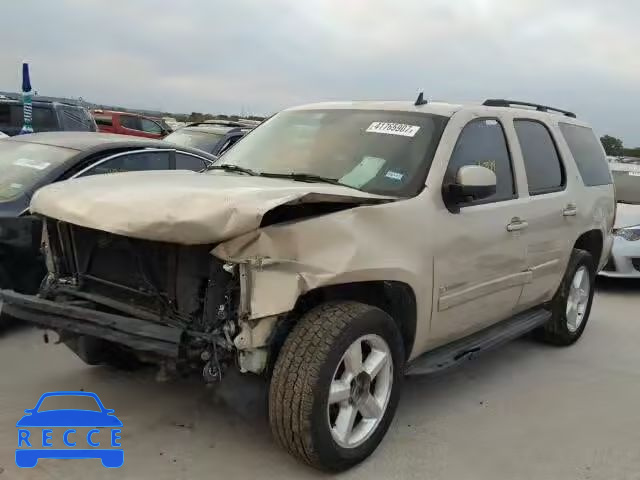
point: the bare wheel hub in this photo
(360, 387)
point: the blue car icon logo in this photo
(34, 444)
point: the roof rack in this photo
(495, 102)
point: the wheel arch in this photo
(593, 242)
(395, 298)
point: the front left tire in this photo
(336, 384)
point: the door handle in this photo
(570, 210)
(517, 224)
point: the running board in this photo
(470, 347)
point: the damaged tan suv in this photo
(335, 249)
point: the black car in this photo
(213, 136)
(47, 117)
(29, 162)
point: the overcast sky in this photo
(258, 56)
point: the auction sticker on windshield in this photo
(393, 129)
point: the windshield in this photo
(376, 151)
(195, 139)
(23, 165)
(626, 177)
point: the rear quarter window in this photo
(588, 154)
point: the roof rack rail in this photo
(496, 102)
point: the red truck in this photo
(126, 123)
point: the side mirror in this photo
(472, 182)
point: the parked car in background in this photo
(28, 162)
(125, 123)
(625, 255)
(47, 117)
(337, 248)
(213, 136)
(173, 123)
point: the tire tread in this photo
(296, 374)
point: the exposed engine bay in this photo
(180, 286)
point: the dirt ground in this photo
(525, 411)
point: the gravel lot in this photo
(525, 411)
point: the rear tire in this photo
(336, 384)
(571, 305)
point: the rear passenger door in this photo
(549, 211)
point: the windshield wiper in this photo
(304, 177)
(232, 168)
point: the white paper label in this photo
(30, 163)
(393, 129)
(364, 172)
(394, 175)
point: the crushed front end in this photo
(170, 304)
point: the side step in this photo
(470, 347)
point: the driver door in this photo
(479, 267)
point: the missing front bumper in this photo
(140, 335)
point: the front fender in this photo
(285, 261)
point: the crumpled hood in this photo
(627, 215)
(181, 207)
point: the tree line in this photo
(615, 147)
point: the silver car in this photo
(625, 255)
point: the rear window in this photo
(11, 119)
(23, 165)
(588, 154)
(76, 119)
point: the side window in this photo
(149, 126)
(482, 142)
(588, 154)
(132, 162)
(541, 160)
(189, 162)
(129, 121)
